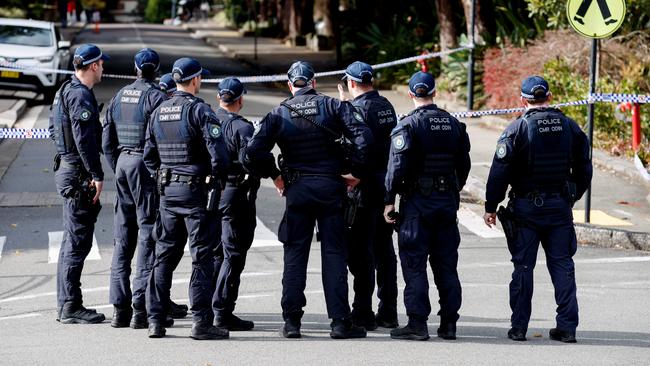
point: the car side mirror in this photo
(64, 44)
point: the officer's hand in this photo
(279, 185)
(490, 218)
(388, 209)
(343, 96)
(351, 181)
(98, 186)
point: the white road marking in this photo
(623, 212)
(610, 260)
(30, 117)
(106, 288)
(475, 224)
(21, 316)
(264, 237)
(55, 239)
(3, 240)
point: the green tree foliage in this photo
(157, 10)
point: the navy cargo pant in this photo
(183, 215)
(310, 200)
(238, 221)
(79, 217)
(552, 225)
(370, 248)
(135, 214)
(429, 231)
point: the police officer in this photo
(135, 209)
(237, 207)
(428, 165)
(167, 84)
(305, 127)
(544, 157)
(370, 239)
(75, 128)
(185, 146)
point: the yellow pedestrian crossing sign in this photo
(597, 20)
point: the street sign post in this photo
(595, 21)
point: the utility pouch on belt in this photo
(507, 218)
(84, 192)
(162, 180)
(570, 192)
(425, 186)
(57, 162)
(288, 176)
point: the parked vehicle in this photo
(32, 44)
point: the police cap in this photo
(231, 89)
(87, 54)
(535, 88)
(167, 83)
(359, 71)
(147, 58)
(422, 84)
(187, 68)
(300, 73)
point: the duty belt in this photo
(191, 179)
(426, 185)
(65, 164)
(536, 197)
(132, 152)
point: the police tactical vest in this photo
(172, 131)
(305, 142)
(437, 136)
(381, 119)
(60, 120)
(228, 119)
(549, 152)
(129, 115)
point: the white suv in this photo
(32, 44)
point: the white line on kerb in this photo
(20, 316)
(3, 240)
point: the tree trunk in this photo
(448, 28)
(482, 22)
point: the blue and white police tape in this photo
(42, 133)
(15, 66)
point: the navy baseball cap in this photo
(186, 68)
(87, 54)
(422, 84)
(300, 73)
(147, 57)
(359, 71)
(231, 89)
(535, 88)
(167, 83)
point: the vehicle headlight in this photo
(45, 59)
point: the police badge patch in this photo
(398, 142)
(215, 131)
(501, 150)
(357, 116)
(85, 115)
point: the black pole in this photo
(590, 118)
(470, 66)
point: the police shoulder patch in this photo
(398, 142)
(215, 130)
(358, 116)
(502, 150)
(85, 115)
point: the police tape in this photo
(14, 66)
(42, 133)
(283, 77)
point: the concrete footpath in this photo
(620, 217)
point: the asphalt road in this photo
(613, 285)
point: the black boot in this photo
(156, 330)
(562, 335)
(139, 319)
(291, 328)
(344, 329)
(386, 322)
(121, 316)
(177, 311)
(447, 330)
(77, 314)
(366, 321)
(517, 334)
(412, 332)
(233, 323)
(205, 331)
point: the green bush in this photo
(157, 10)
(453, 75)
(12, 13)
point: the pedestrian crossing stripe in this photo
(475, 223)
(54, 247)
(3, 240)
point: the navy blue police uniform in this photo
(237, 208)
(75, 128)
(428, 166)
(313, 163)
(184, 144)
(136, 203)
(370, 239)
(544, 157)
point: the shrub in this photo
(157, 10)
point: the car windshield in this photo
(25, 36)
